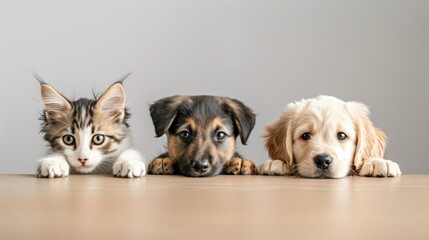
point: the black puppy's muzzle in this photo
(201, 166)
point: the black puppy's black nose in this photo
(201, 166)
(322, 161)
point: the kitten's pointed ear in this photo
(112, 102)
(55, 103)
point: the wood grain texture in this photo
(221, 207)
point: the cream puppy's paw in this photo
(274, 167)
(379, 167)
(129, 165)
(53, 166)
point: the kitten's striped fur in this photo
(90, 136)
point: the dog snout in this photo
(322, 161)
(201, 166)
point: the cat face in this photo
(85, 131)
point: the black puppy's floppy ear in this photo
(243, 116)
(163, 112)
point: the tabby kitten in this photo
(88, 136)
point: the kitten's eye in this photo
(68, 139)
(220, 136)
(98, 139)
(341, 136)
(306, 136)
(185, 135)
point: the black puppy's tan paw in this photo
(240, 166)
(161, 166)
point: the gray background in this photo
(266, 53)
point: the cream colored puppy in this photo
(325, 137)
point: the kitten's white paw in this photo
(53, 166)
(129, 169)
(274, 167)
(379, 167)
(129, 165)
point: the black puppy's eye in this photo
(220, 136)
(68, 139)
(341, 136)
(306, 136)
(184, 135)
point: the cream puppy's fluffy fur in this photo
(325, 137)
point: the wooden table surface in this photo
(221, 207)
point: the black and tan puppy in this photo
(201, 133)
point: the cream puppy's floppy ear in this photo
(371, 141)
(279, 137)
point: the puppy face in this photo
(324, 140)
(324, 137)
(201, 131)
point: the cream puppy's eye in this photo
(306, 136)
(341, 136)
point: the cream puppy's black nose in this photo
(322, 161)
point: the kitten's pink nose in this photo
(82, 160)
